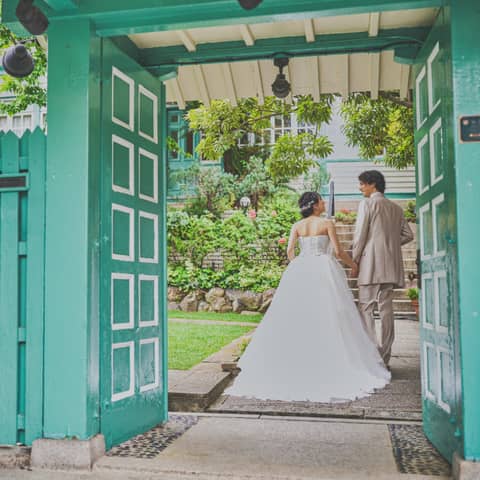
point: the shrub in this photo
(410, 212)
(412, 293)
(252, 248)
(346, 216)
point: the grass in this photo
(189, 344)
(220, 317)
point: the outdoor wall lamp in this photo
(17, 61)
(249, 4)
(281, 86)
(31, 17)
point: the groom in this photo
(380, 232)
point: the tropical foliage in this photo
(382, 129)
(223, 125)
(252, 246)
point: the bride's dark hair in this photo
(307, 201)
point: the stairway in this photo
(401, 303)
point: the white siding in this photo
(345, 175)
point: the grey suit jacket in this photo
(380, 232)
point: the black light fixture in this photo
(249, 4)
(31, 17)
(281, 86)
(17, 61)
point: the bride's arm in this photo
(339, 251)
(291, 243)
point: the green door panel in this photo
(22, 257)
(133, 282)
(437, 226)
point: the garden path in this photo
(400, 400)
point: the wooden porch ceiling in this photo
(338, 54)
(215, 49)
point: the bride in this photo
(311, 344)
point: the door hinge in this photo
(457, 433)
(22, 335)
(22, 249)
(20, 421)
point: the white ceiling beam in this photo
(345, 81)
(374, 74)
(43, 42)
(231, 92)
(202, 85)
(257, 73)
(177, 91)
(404, 80)
(374, 24)
(247, 35)
(309, 30)
(315, 66)
(187, 40)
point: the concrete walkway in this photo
(261, 447)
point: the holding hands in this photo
(354, 272)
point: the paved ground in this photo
(400, 400)
(379, 438)
(258, 447)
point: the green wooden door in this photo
(133, 315)
(438, 250)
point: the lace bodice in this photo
(316, 245)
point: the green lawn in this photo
(223, 317)
(189, 344)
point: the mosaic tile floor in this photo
(413, 452)
(151, 443)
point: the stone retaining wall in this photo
(219, 300)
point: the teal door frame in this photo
(465, 18)
(72, 289)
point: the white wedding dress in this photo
(311, 344)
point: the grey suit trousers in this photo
(380, 294)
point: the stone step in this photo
(409, 265)
(401, 306)
(398, 293)
(352, 283)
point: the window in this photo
(18, 124)
(279, 126)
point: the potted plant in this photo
(412, 294)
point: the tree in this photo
(26, 91)
(256, 184)
(223, 125)
(213, 188)
(382, 127)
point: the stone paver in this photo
(195, 389)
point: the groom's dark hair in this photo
(373, 177)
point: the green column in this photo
(72, 226)
(465, 18)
